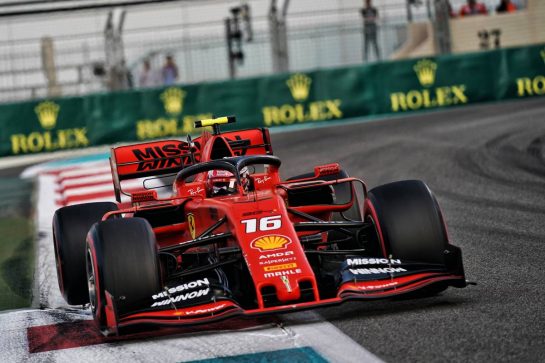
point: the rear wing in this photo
(163, 157)
(248, 142)
(148, 159)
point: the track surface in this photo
(486, 166)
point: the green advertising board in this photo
(278, 100)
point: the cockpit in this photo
(227, 176)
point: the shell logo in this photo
(271, 242)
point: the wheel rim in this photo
(91, 281)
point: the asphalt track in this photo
(486, 165)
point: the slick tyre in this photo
(70, 227)
(408, 218)
(121, 259)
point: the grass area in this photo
(16, 244)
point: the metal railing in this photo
(316, 39)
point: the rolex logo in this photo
(173, 100)
(425, 71)
(47, 112)
(299, 85)
(542, 54)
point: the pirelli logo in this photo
(285, 266)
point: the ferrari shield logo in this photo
(191, 224)
(286, 282)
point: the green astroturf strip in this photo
(16, 244)
(294, 355)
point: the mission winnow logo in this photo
(165, 156)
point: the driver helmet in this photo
(223, 182)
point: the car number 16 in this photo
(265, 224)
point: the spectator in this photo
(147, 78)
(451, 11)
(370, 16)
(120, 77)
(444, 7)
(170, 71)
(506, 6)
(520, 4)
(129, 80)
(473, 8)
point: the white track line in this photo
(49, 294)
(88, 190)
(85, 171)
(99, 178)
(306, 331)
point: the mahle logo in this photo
(299, 87)
(425, 71)
(532, 86)
(173, 100)
(47, 112)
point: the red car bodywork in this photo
(261, 223)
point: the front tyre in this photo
(409, 222)
(122, 260)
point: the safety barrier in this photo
(285, 99)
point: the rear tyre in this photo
(121, 259)
(70, 227)
(408, 218)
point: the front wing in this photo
(192, 306)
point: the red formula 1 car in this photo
(233, 238)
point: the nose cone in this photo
(270, 245)
(288, 289)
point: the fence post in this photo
(279, 38)
(230, 58)
(442, 27)
(48, 66)
(117, 72)
(409, 11)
